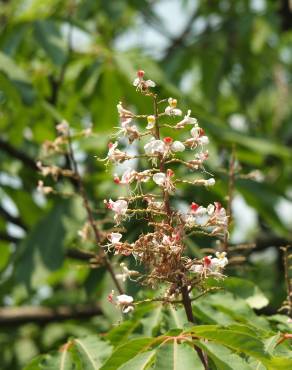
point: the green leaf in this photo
(11, 69)
(126, 352)
(50, 39)
(242, 340)
(235, 339)
(43, 250)
(121, 332)
(92, 351)
(242, 288)
(223, 357)
(139, 362)
(176, 317)
(62, 360)
(174, 356)
(152, 321)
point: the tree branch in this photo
(18, 154)
(8, 238)
(79, 254)
(13, 316)
(179, 41)
(13, 219)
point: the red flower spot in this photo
(169, 173)
(117, 180)
(168, 140)
(207, 261)
(140, 73)
(110, 145)
(201, 132)
(110, 298)
(194, 206)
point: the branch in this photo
(18, 154)
(90, 216)
(79, 254)
(179, 41)
(285, 13)
(8, 238)
(13, 316)
(13, 219)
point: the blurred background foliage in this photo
(230, 62)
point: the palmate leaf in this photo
(140, 362)
(62, 360)
(92, 352)
(242, 288)
(43, 249)
(241, 340)
(174, 356)
(223, 357)
(127, 351)
(121, 332)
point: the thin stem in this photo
(188, 309)
(287, 278)
(90, 216)
(231, 181)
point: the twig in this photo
(90, 216)
(231, 182)
(287, 278)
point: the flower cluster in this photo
(162, 249)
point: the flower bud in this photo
(140, 73)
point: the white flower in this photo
(198, 269)
(210, 209)
(119, 206)
(164, 180)
(125, 301)
(201, 216)
(151, 122)
(141, 84)
(128, 309)
(159, 178)
(128, 176)
(143, 176)
(131, 131)
(44, 189)
(210, 182)
(63, 127)
(126, 273)
(177, 146)
(115, 238)
(124, 113)
(186, 121)
(171, 110)
(219, 262)
(114, 154)
(155, 147)
(199, 135)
